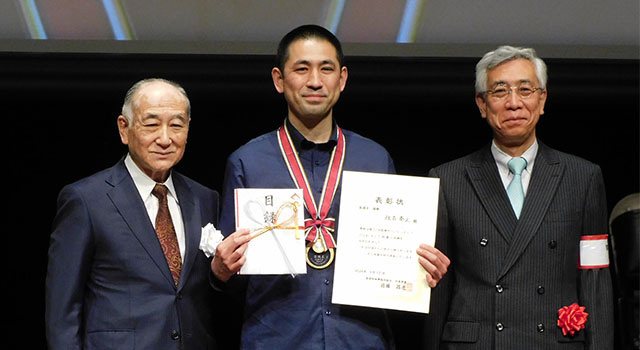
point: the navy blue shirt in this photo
(282, 312)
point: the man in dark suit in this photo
(527, 241)
(125, 270)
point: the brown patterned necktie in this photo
(167, 233)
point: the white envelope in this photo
(276, 220)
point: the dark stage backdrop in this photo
(60, 125)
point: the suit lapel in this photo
(126, 199)
(545, 178)
(192, 230)
(483, 174)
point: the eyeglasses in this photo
(501, 91)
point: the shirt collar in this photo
(300, 142)
(502, 158)
(143, 182)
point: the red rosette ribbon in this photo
(572, 318)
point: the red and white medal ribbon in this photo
(319, 221)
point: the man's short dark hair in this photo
(304, 32)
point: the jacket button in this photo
(483, 241)
(553, 244)
(540, 290)
(175, 335)
(499, 288)
(540, 327)
(499, 326)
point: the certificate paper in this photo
(276, 220)
(383, 220)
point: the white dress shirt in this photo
(145, 185)
(502, 159)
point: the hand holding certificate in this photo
(383, 220)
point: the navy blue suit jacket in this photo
(108, 283)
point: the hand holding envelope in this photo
(229, 256)
(275, 217)
(269, 237)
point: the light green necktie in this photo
(515, 191)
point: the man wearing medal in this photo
(309, 151)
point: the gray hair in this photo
(127, 107)
(507, 53)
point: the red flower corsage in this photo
(572, 318)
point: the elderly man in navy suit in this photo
(125, 270)
(525, 226)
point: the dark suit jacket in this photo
(509, 277)
(108, 283)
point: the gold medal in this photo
(319, 227)
(319, 259)
(319, 247)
